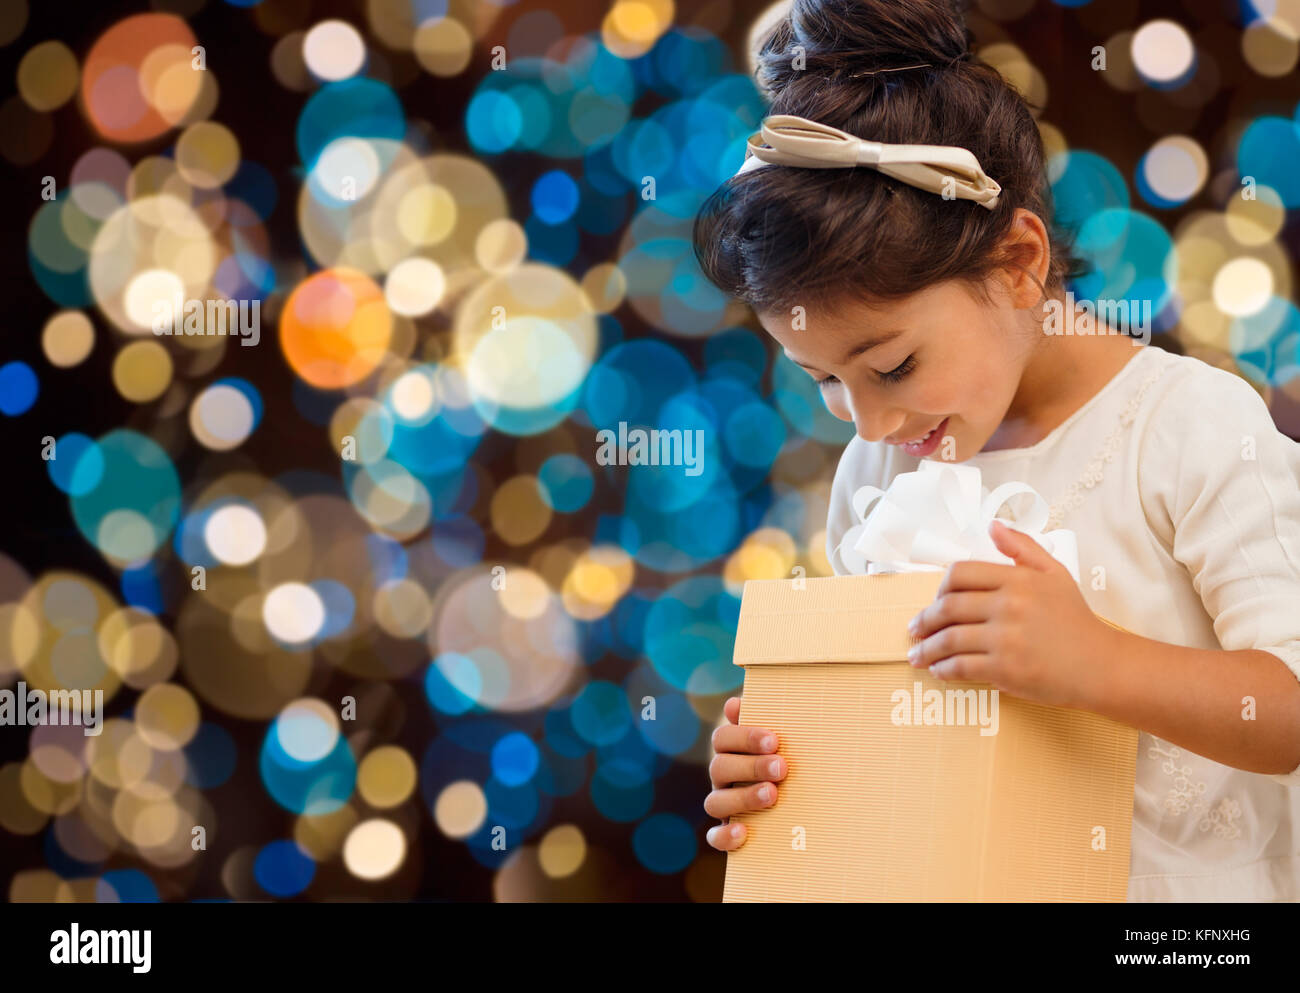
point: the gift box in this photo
(904, 787)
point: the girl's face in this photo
(939, 358)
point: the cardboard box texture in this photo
(1006, 800)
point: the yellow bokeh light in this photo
(501, 245)
(386, 777)
(527, 338)
(167, 716)
(426, 215)
(596, 581)
(142, 371)
(1269, 52)
(17, 814)
(138, 648)
(562, 851)
(519, 511)
(524, 594)
(603, 287)
(67, 338)
(460, 809)
(1255, 221)
(443, 46)
(171, 82)
(207, 154)
(48, 76)
(322, 835)
(402, 608)
(631, 27)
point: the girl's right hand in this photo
(742, 755)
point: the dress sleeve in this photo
(1226, 484)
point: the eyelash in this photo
(893, 376)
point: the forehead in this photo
(823, 333)
(841, 313)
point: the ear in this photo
(1027, 250)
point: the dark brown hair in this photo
(779, 236)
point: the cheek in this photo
(968, 395)
(837, 402)
(944, 394)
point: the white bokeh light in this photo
(151, 299)
(333, 50)
(414, 286)
(293, 613)
(374, 849)
(235, 534)
(1243, 287)
(1162, 51)
(413, 395)
(1175, 168)
(221, 417)
(307, 729)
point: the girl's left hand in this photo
(1024, 628)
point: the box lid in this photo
(833, 618)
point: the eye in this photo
(823, 383)
(896, 374)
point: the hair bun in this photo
(855, 37)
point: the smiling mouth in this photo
(923, 438)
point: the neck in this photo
(1062, 374)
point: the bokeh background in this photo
(466, 227)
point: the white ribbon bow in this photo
(938, 515)
(949, 170)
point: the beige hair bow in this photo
(944, 169)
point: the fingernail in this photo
(773, 768)
(768, 743)
(913, 626)
(765, 794)
(914, 654)
(736, 831)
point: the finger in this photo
(1019, 546)
(967, 607)
(973, 668)
(743, 738)
(952, 640)
(731, 710)
(738, 799)
(972, 575)
(726, 769)
(726, 837)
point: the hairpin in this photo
(873, 72)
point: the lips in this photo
(924, 438)
(921, 438)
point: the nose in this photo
(874, 422)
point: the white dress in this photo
(1179, 486)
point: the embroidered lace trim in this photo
(1096, 469)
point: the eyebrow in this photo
(857, 349)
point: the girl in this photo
(913, 287)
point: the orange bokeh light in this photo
(112, 90)
(335, 328)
